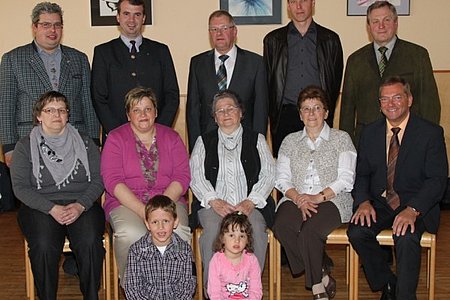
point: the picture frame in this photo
(247, 12)
(103, 12)
(359, 7)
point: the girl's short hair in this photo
(235, 219)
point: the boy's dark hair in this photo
(160, 202)
(235, 219)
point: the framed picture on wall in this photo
(253, 11)
(359, 7)
(103, 12)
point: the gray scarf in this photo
(61, 155)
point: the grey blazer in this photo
(23, 79)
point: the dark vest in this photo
(251, 164)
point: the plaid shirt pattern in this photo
(150, 275)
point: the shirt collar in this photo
(127, 40)
(312, 29)
(390, 46)
(232, 54)
(41, 51)
(324, 133)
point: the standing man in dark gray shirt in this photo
(299, 54)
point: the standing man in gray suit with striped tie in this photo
(29, 71)
(226, 66)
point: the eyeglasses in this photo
(396, 99)
(224, 28)
(52, 111)
(311, 109)
(48, 25)
(226, 111)
(138, 111)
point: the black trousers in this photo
(46, 238)
(289, 122)
(407, 250)
(304, 242)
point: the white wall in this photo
(182, 24)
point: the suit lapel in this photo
(210, 69)
(408, 141)
(65, 70)
(239, 68)
(38, 66)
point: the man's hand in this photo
(221, 207)
(246, 207)
(405, 218)
(365, 214)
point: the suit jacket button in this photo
(133, 74)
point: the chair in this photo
(199, 265)
(336, 237)
(106, 282)
(428, 241)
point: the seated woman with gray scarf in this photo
(232, 169)
(56, 175)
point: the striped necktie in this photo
(222, 73)
(394, 146)
(383, 60)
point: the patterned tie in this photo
(391, 196)
(222, 73)
(133, 50)
(383, 60)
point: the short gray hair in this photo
(380, 4)
(45, 8)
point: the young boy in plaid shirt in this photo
(160, 264)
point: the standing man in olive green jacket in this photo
(365, 71)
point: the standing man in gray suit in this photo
(43, 65)
(241, 71)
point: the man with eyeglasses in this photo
(29, 71)
(226, 66)
(130, 61)
(300, 54)
(401, 176)
(386, 56)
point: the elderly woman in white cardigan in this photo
(315, 173)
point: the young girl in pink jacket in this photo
(234, 272)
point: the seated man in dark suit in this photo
(401, 175)
(241, 71)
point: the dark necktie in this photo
(133, 50)
(383, 60)
(222, 73)
(391, 196)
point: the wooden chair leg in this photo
(107, 267)
(29, 279)
(278, 269)
(432, 267)
(199, 265)
(271, 260)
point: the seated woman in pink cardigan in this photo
(141, 159)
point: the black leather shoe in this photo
(331, 287)
(388, 292)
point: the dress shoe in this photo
(388, 292)
(331, 287)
